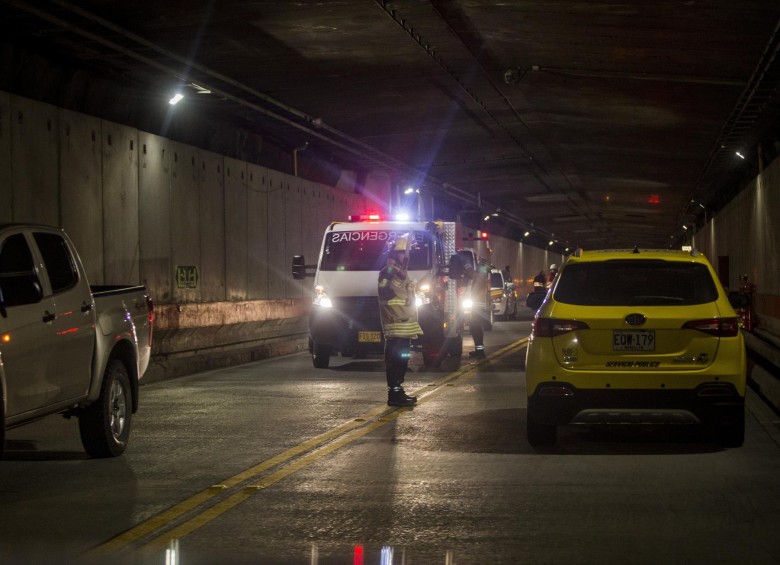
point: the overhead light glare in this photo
(740, 155)
(526, 234)
(176, 99)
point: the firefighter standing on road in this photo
(479, 310)
(539, 282)
(398, 313)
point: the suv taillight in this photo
(551, 327)
(720, 327)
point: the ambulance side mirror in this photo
(456, 269)
(300, 270)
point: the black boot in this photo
(397, 397)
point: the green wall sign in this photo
(186, 276)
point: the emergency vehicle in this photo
(344, 316)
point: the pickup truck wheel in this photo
(105, 424)
(320, 356)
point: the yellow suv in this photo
(636, 337)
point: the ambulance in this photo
(344, 316)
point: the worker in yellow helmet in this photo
(398, 313)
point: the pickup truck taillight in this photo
(551, 327)
(150, 310)
(720, 327)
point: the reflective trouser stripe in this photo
(402, 329)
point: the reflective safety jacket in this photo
(397, 306)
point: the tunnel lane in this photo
(187, 516)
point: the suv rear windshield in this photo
(635, 282)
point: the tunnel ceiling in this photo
(599, 124)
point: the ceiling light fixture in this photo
(176, 99)
(740, 155)
(199, 89)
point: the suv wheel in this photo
(732, 433)
(540, 434)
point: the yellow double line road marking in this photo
(161, 528)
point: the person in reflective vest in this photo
(398, 313)
(479, 318)
(539, 282)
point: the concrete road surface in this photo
(279, 462)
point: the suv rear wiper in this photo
(654, 300)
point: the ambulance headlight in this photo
(423, 295)
(321, 298)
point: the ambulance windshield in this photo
(366, 250)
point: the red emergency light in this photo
(365, 218)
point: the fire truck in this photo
(344, 316)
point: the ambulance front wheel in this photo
(320, 356)
(455, 346)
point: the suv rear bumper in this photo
(560, 403)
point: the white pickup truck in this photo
(66, 347)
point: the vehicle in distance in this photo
(503, 296)
(66, 347)
(636, 337)
(473, 304)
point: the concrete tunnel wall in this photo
(745, 235)
(211, 237)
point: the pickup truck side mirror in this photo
(300, 270)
